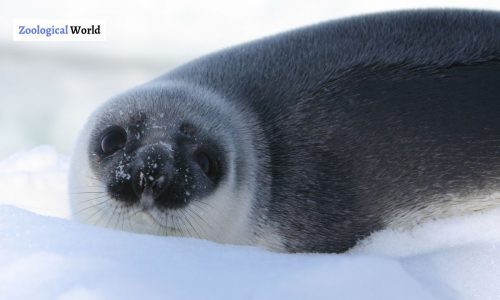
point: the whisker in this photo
(91, 206)
(177, 224)
(79, 201)
(122, 215)
(163, 225)
(172, 221)
(203, 202)
(128, 219)
(116, 218)
(196, 218)
(80, 193)
(92, 178)
(186, 222)
(102, 214)
(94, 186)
(203, 209)
(98, 210)
(187, 219)
(167, 224)
(196, 214)
(112, 214)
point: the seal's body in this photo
(305, 141)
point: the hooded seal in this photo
(307, 141)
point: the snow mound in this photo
(44, 255)
(36, 180)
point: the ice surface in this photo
(36, 180)
(45, 255)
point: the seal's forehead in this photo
(165, 107)
(135, 106)
(137, 119)
(151, 100)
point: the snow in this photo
(54, 257)
(36, 180)
(46, 255)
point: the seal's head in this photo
(165, 159)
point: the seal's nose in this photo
(152, 170)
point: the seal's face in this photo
(146, 164)
(155, 161)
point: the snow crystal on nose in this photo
(141, 179)
(120, 173)
(168, 146)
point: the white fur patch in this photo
(222, 217)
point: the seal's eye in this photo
(208, 164)
(113, 139)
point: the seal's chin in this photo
(142, 216)
(162, 221)
(152, 221)
(146, 201)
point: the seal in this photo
(306, 141)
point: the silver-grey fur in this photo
(323, 134)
